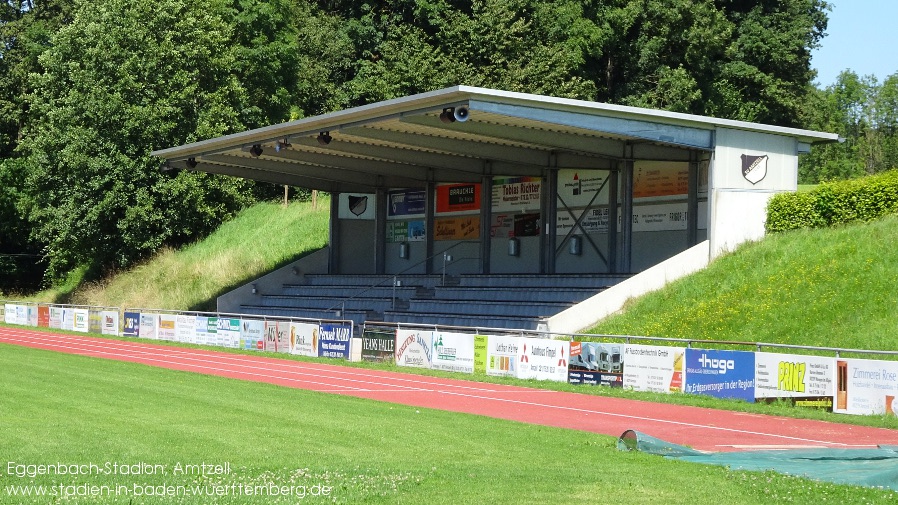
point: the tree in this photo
(123, 78)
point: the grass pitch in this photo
(145, 424)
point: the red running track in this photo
(700, 428)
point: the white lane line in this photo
(297, 367)
(469, 395)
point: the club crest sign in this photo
(754, 168)
(357, 206)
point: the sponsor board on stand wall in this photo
(357, 206)
(516, 194)
(722, 374)
(866, 387)
(807, 381)
(413, 348)
(654, 368)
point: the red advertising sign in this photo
(458, 197)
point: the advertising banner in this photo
(252, 335)
(544, 359)
(866, 386)
(271, 336)
(596, 363)
(201, 331)
(453, 352)
(185, 329)
(229, 332)
(130, 320)
(304, 339)
(32, 315)
(516, 194)
(56, 317)
(578, 188)
(502, 355)
(333, 340)
(94, 321)
(378, 346)
(405, 231)
(43, 316)
(68, 319)
(458, 198)
(406, 203)
(722, 374)
(149, 325)
(481, 343)
(806, 380)
(660, 179)
(109, 322)
(654, 368)
(81, 320)
(9, 314)
(413, 348)
(168, 327)
(457, 228)
(515, 225)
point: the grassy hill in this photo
(829, 287)
(258, 240)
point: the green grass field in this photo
(72, 410)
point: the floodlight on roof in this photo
(324, 138)
(256, 150)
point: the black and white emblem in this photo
(358, 204)
(754, 168)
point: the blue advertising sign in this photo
(333, 341)
(131, 324)
(406, 202)
(722, 374)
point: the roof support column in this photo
(549, 205)
(626, 229)
(486, 220)
(692, 201)
(333, 259)
(613, 185)
(429, 206)
(380, 231)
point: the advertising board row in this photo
(287, 337)
(842, 385)
(849, 386)
(86, 320)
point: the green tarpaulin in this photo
(875, 467)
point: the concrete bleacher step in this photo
(354, 291)
(521, 323)
(487, 308)
(597, 281)
(569, 295)
(356, 316)
(366, 280)
(332, 303)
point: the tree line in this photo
(89, 89)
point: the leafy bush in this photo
(833, 203)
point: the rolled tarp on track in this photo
(874, 467)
